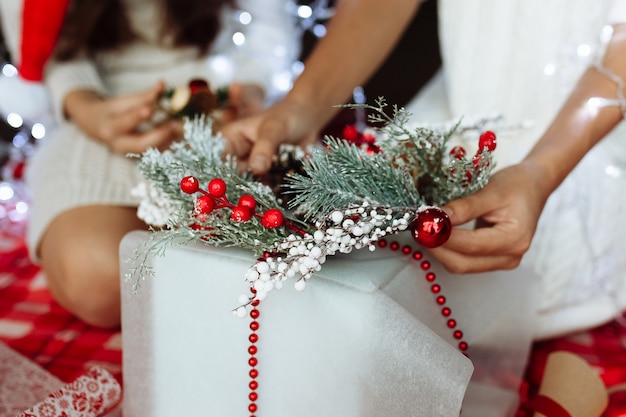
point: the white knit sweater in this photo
(71, 170)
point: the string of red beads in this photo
(429, 276)
(253, 396)
(434, 288)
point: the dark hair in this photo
(103, 25)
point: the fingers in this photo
(459, 263)
(270, 134)
(159, 137)
(471, 207)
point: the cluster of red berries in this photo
(486, 141)
(365, 140)
(215, 198)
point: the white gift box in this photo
(365, 338)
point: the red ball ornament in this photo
(204, 204)
(431, 227)
(247, 201)
(487, 141)
(272, 219)
(241, 214)
(198, 84)
(217, 187)
(189, 184)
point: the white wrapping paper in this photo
(365, 338)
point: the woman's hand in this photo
(506, 212)
(117, 121)
(256, 139)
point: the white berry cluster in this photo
(341, 231)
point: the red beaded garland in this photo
(217, 187)
(189, 184)
(253, 338)
(425, 265)
(394, 246)
(417, 255)
(252, 408)
(430, 276)
(451, 323)
(254, 373)
(254, 326)
(446, 311)
(441, 300)
(252, 350)
(253, 396)
(406, 250)
(382, 243)
(252, 362)
(255, 313)
(457, 334)
(463, 345)
(435, 288)
(253, 385)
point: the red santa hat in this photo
(41, 24)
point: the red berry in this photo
(189, 184)
(204, 204)
(217, 187)
(247, 201)
(350, 133)
(458, 152)
(369, 138)
(487, 141)
(198, 84)
(241, 214)
(272, 219)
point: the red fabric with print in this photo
(40, 329)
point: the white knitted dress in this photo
(520, 58)
(71, 169)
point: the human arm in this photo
(359, 37)
(508, 208)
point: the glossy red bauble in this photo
(198, 84)
(431, 227)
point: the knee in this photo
(87, 284)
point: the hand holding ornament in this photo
(118, 121)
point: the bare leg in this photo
(79, 255)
